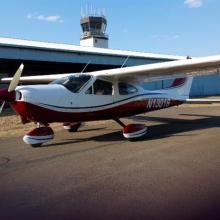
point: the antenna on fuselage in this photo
(86, 66)
(125, 61)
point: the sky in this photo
(176, 27)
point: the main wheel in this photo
(72, 127)
(134, 131)
(36, 145)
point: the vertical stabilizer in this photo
(181, 87)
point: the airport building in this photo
(93, 53)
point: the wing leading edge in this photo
(36, 79)
(165, 70)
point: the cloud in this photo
(29, 16)
(193, 3)
(50, 18)
(124, 30)
(177, 36)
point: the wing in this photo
(164, 70)
(36, 79)
(147, 72)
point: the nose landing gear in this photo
(39, 135)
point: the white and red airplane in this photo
(108, 94)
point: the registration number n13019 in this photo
(158, 103)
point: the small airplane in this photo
(102, 95)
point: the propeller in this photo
(2, 106)
(16, 78)
(9, 94)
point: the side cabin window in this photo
(126, 89)
(101, 87)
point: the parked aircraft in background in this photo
(108, 94)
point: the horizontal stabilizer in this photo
(202, 101)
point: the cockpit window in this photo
(126, 89)
(74, 82)
(100, 87)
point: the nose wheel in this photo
(38, 136)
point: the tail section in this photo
(178, 82)
(181, 87)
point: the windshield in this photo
(74, 82)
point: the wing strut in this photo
(86, 66)
(125, 61)
(119, 122)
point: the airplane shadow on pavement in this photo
(167, 128)
(174, 126)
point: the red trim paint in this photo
(178, 82)
(133, 128)
(42, 131)
(39, 114)
(7, 96)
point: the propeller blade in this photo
(2, 106)
(16, 78)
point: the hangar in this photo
(53, 58)
(50, 58)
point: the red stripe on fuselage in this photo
(40, 114)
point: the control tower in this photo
(94, 31)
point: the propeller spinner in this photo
(9, 94)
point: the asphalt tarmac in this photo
(172, 173)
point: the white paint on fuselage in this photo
(53, 94)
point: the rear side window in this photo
(126, 89)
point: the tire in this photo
(74, 128)
(36, 145)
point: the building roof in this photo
(74, 48)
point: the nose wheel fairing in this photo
(38, 136)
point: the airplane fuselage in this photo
(57, 103)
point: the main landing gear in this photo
(132, 131)
(43, 133)
(73, 126)
(39, 135)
